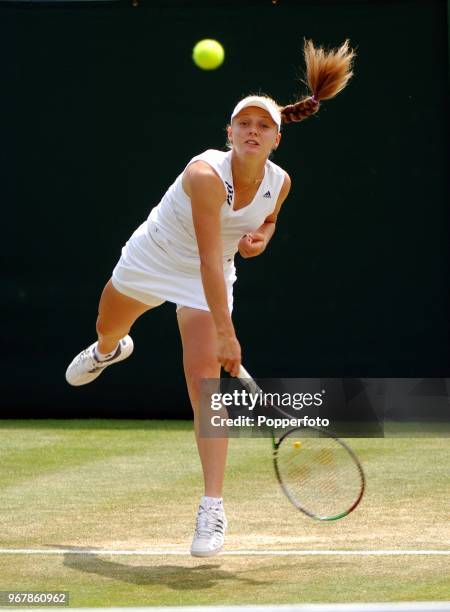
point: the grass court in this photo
(114, 504)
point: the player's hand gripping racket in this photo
(317, 471)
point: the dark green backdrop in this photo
(101, 108)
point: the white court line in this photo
(238, 553)
(423, 606)
(411, 606)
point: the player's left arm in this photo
(254, 244)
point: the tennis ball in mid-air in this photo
(297, 444)
(208, 54)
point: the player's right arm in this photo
(207, 194)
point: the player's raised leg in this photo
(199, 338)
(116, 314)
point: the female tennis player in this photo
(222, 203)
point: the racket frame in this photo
(292, 499)
(250, 384)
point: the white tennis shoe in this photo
(209, 532)
(85, 367)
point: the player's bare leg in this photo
(198, 335)
(117, 313)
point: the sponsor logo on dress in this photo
(267, 195)
(229, 193)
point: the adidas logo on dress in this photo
(267, 195)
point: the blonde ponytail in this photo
(327, 73)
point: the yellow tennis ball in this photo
(208, 54)
(297, 444)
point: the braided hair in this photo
(326, 74)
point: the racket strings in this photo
(319, 475)
(324, 474)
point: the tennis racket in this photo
(319, 473)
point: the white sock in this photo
(104, 356)
(211, 502)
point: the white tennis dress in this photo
(161, 260)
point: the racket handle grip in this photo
(243, 373)
(247, 380)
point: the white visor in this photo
(260, 102)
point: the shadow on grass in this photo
(176, 577)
